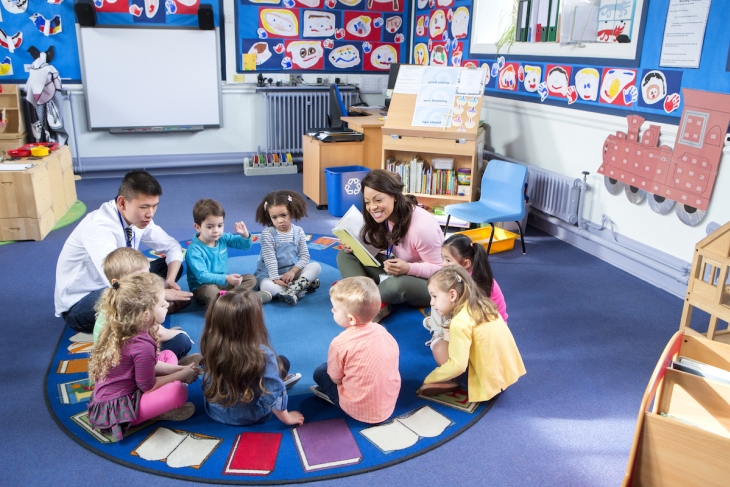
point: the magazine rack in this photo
(682, 434)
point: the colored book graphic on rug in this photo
(82, 338)
(458, 399)
(73, 366)
(326, 444)
(82, 419)
(177, 448)
(323, 243)
(76, 391)
(253, 454)
(81, 347)
(405, 430)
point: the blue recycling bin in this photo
(344, 188)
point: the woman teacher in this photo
(410, 236)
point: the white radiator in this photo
(290, 114)
(553, 193)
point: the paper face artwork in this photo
(383, 56)
(6, 67)
(151, 7)
(280, 22)
(345, 56)
(437, 24)
(261, 49)
(305, 54)
(421, 23)
(586, 83)
(392, 24)
(614, 83)
(15, 6)
(47, 26)
(653, 87)
(359, 26)
(508, 78)
(420, 54)
(460, 23)
(349, 3)
(557, 81)
(533, 75)
(439, 56)
(422, 4)
(318, 24)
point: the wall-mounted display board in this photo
(43, 24)
(441, 33)
(610, 85)
(322, 35)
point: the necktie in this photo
(128, 231)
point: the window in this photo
(492, 17)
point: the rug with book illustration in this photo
(328, 445)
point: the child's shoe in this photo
(178, 414)
(313, 286)
(288, 297)
(193, 358)
(438, 388)
(384, 311)
(301, 284)
(292, 379)
(318, 392)
(265, 296)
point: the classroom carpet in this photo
(77, 210)
(328, 445)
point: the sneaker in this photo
(178, 414)
(292, 379)
(193, 358)
(301, 284)
(438, 388)
(314, 285)
(318, 392)
(176, 306)
(384, 311)
(288, 297)
(265, 296)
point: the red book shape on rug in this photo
(253, 454)
(326, 444)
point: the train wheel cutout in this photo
(659, 204)
(689, 215)
(612, 185)
(634, 194)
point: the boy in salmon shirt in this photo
(361, 373)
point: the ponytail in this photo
(463, 248)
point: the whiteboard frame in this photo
(150, 128)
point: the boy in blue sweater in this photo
(207, 255)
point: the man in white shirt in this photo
(125, 221)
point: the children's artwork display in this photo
(441, 35)
(322, 35)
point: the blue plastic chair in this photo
(502, 198)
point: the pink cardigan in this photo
(498, 299)
(421, 245)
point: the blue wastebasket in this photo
(344, 188)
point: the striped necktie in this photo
(129, 232)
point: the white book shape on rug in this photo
(177, 448)
(82, 337)
(405, 430)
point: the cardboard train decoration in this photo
(684, 175)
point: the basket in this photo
(503, 239)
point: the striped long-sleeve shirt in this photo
(268, 250)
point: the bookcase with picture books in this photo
(439, 165)
(682, 435)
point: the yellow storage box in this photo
(503, 239)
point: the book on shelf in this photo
(419, 178)
(348, 231)
(691, 366)
(326, 444)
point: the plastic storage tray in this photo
(503, 239)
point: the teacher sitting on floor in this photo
(410, 236)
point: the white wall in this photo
(570, 141)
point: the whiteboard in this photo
(151, 78)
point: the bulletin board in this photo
(323, 35)
(595, 85)
(441, 33)
(43, 24)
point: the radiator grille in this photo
(290, 114)
(554, 194)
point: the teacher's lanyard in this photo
(124, 231)
(389, 250)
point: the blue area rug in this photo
(302, 334)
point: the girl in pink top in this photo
(131, 386)
(459, 250)
(410, 236)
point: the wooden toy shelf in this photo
(14, 134)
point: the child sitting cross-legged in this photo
(207, 255)
(361, 373)
(126, 261)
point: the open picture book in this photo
(348, 231)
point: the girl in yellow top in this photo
(483, 357)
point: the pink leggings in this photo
(168, 397)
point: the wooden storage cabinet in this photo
(14, 134)
(319, 155)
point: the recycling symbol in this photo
(353, 186)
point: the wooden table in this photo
(319, 155)
(370, 127)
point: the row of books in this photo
(417, 177)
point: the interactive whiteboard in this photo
(151, 79)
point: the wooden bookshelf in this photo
(14, 134)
